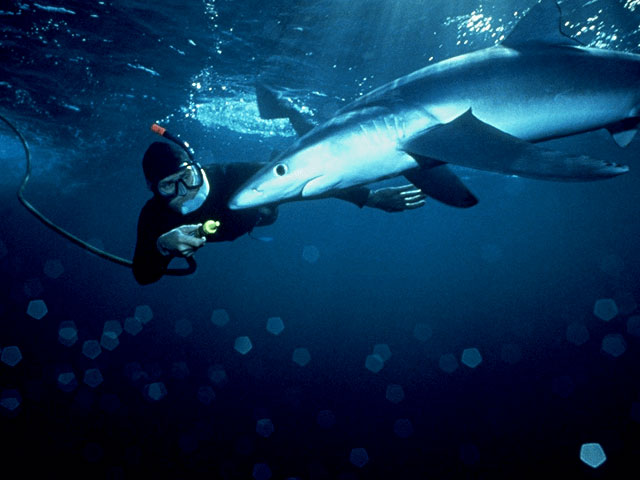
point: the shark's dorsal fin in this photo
(541, 25)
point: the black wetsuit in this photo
(156, 218)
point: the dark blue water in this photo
(521, 283)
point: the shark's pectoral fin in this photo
(624, 131)
(469, 142)
(440, 183)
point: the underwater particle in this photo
(10, 400)
(67, 381)
(511, 353)
(592, 454)
(448, 363)
(143, 313)
(326, 419)
(37, 309)
(93, 377)
(633, 326)
(359, 457)
(112, 326)
(383, 351)
(264, 427)
(67, 333)
(183, 328)
(614, 344)
(403, 428)
(220, 317)
(261, 471)
(155, 391)
(374, 363)
(53, 269)
(133, 326)
(11, 356)
(469, 454)
(563, 386)
(217, 375)
(206, 395)
(422, 332)
(243, 345)
(301, 356)
(275, 325)
(605, 309)
(471, 357)
(310, 253)
(179, 370)
(91, 349)
(577, 334)
(109, 341)
(395, 393)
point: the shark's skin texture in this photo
(484, 110)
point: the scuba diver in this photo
(189, 203)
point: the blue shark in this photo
(486, 110)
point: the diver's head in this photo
(173, 177)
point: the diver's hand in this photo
(396, 199)
(181, 241)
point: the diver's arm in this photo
(149, 264)
(389, 199)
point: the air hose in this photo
(68, 235)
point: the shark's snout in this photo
(246, 198)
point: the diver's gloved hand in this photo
(181, 241)
(396, 199)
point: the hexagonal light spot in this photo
(422, 332)
(403, 428)
(10, 400)
(67, 333)
(374, 363)
(592, 454)
(605, 309)
(395, 393)
(383, 350)
(471, 357)
(301, 356)
(243, 345)
(53, 268)
(326, 419)
(155, 391)
(67, 381)
(11, 356)
(93, 377)
(633, 325)
(37, 309)
(264, 427)
(275, 325)
(143, 313)
(112, 326)
(448, 363)
(614, 344)
(310, 253)
(206, 395)
(359, 457)
(217, 375)
(577, 334)
(220, 317)
(133, 326)
(183, 328)
(261, 471)
(109, 341)
(91, 349)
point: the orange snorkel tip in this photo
(155, 128)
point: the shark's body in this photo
(484, 110)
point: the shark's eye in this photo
(280, 169)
